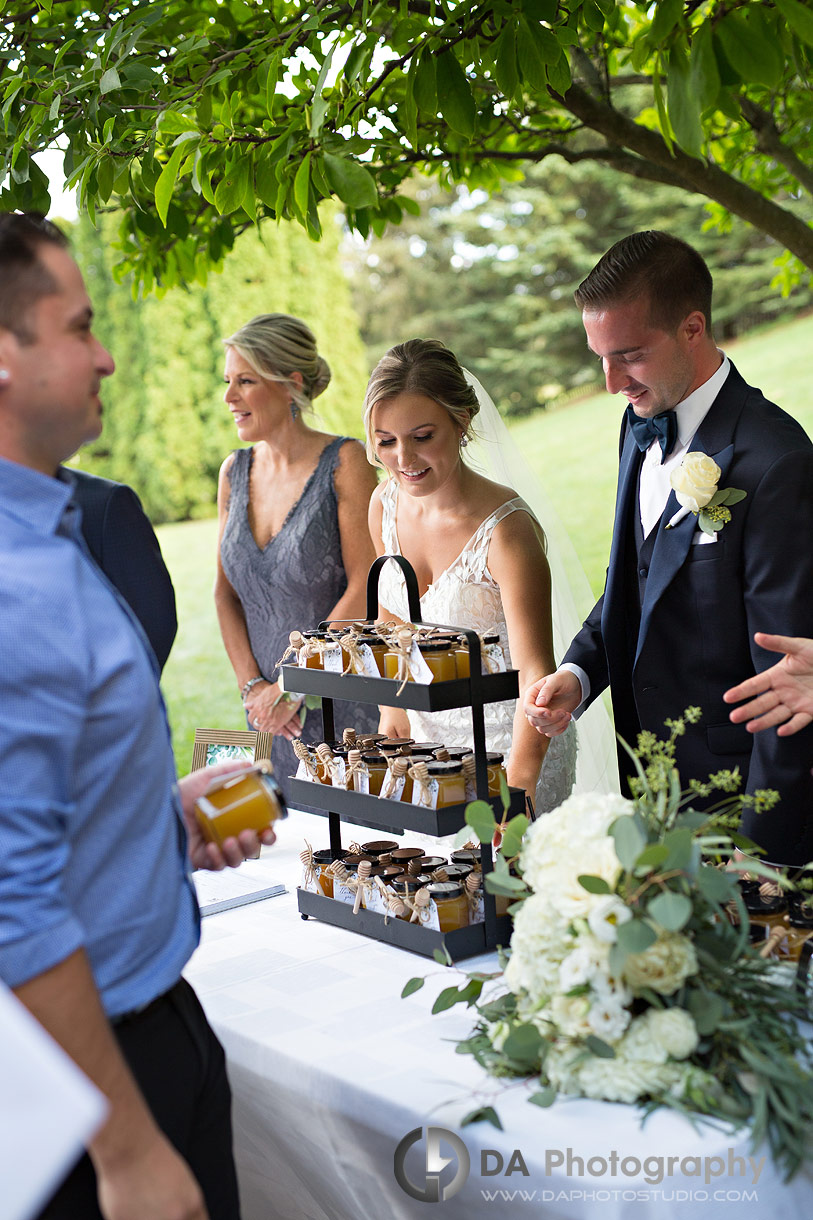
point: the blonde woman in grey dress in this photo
(293, 544)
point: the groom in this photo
(676, 622)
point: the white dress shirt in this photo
(654, 486)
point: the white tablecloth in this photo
(331, 1069)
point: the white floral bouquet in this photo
(626, 979)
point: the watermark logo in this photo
(430, 1191)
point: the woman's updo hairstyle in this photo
(277, 345)
(426, 367)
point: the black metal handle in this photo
(413, 600)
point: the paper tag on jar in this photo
(309, 881)
(392, 788)
(477, 912)
(374, 900)
(419, 794)
(339, 773)
(418, 668)
(496, 656)
(429, 916)
(471, 789)
(332, 660)
(361, 781)
(302, 772)
(342, 894)
(368, 661)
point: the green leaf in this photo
(543, 1097)
(666, 16)
(704, 75)
(707, 524)
(447, 999)
(505, 62)
(442, 956)
(426, 92)
(523, 1045)
(651, 857)
(512, 835)
(54, 111)
(683, 104)
(172, 122)
(480, 817)
(455, 99)
(660, 107)
(680, 843)
(733, 495)
(411, 986)
(486, 1114)
(530, 61)
(559, 77)
(166, 183)
(302, 182)
(110, 81)
(410, 110)
(629, 839)
(105, 173)
(546, 44)
(592, 16)
(354, 185)
(751, 57)
(671, 910)
(707, 1010)
(231, 189)
(593, 885)
(799, 17)
(715, 885)
(635, 936)
(598, 1047)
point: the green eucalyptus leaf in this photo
(513, 834)
(598, 1047)
(480, 817)
(411, 986)
(635, 936)
(524, 1044)
(707, 1010)
(543, 1097)
(629, 838)
(651, 857)
(734, 495)
(593, 885)
(715, 885)
(670, 909)
(485, 1114)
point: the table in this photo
(331, 1070)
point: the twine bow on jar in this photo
(355, 661)
(325, 756)
(349, 738)
(356, 769)
(304, 755)
(396, 770)
(401, 642)
(306, 856)
(296, 642)
(473, 886)
(421, 791)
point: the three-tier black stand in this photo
(398, 816)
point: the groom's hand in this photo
(549, 704)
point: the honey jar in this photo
(430, 863)
(376, 768)
(403, 855)
(462, 659)
(313, 641)
(465, 856)
(451, 903)
(451, 785)
(322, 859)
(439, 655)
(378, 847)
(377, 647)
(458, 872)
(395, 745)
(495, 765)
(243, 800)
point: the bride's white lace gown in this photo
(466, 595)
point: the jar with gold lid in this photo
(450, 903)
(250, 799)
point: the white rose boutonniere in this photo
(695, 484)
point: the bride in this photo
(477, 550)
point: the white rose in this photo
(608, 1020)
(663, 966)
(569, 1014)
(674, 1029)
(695, 481)
(607, 913)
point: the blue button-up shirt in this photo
(92, 843)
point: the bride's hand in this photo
(394, 722)
(549, 703)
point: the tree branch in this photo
(769, 140)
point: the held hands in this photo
(271, 711)
(235, 850)
(781, 695)
(549, 703)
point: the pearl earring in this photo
(3, 374)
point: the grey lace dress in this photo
(291, 583)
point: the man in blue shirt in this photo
(97, 911)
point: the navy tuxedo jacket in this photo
(702, 605)
(123, 543)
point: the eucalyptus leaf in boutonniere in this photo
(696, 486)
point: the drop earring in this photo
(464, 440)
(293, 408)
(3, 374)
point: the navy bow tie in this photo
(661, 428)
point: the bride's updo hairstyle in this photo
(277, 345)
(426, 367)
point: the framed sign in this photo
(219, 745)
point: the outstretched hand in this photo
(203, 854)
(781, 695)
(549, 703)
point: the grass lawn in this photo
(572, 449)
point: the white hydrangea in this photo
(539, 943)
(621, 1079)
(556, 841)
(675, 1030)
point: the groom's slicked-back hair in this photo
(668, 271)
(23, 278)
